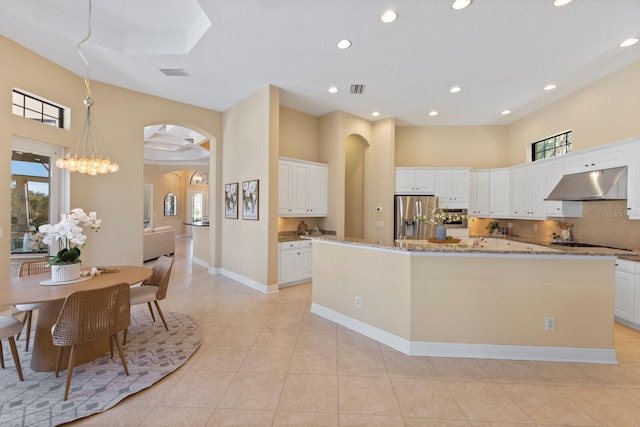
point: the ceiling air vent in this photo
(174, 72)
(357, 89)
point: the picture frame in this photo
(251, 199)
(231, 200)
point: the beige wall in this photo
(249, 248)
(355, 149)
(298, 135)
(606, 111)
(119, 116)
(381, 181)
(451, 146)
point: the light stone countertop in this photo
(555, 250)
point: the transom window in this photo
(31, 107)
(556, 145)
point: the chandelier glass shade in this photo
(86, 157)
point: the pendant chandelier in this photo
(86, 157)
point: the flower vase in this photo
(441, 233)
(66, 272)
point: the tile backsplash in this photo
(602, 223)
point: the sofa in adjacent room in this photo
(158, 241)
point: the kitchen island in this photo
(460, 301)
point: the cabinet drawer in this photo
(296, 244)
(306, 243)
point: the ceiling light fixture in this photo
(550, 87)
(344, 44)
(506, 112)
(460, 4)
(455, 89)
(559, 3)
(87, 158)
(433, 113)
(375, 114)
(629, 42)
(389, 16)
(333, 89)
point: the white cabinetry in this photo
(527, 187)
(302, 188)
(415, 181)
(452, 188)
(296, 260)
(479, 184)
(633, 181)
(554, 169)
(624, 292)
(499, 193)
(603, 158)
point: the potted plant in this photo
(493, 227)
(66, 265)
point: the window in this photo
(33, 108)
(556, 145)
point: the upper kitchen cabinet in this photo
(499, 194)
(527, 185)
(479, 186)
(302, 188)
(415, 181)
(452, 188)
(602, 158)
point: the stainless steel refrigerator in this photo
(406, 210)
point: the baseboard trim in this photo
(477, 351)
(265, 289)
(199, 261)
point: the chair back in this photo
(94, 313)
(29, 268)
(160, 277)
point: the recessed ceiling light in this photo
(455, 89)
(550, 87)
(433, 113)
(505, 112)
(375, 114)
(629, 42)
(460, 4)
(559, 3)
(389, 16)
(344, 44)
(333, 89)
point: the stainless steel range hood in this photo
(604, 184)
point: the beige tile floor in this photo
(266, 361)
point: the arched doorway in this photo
(354, 191)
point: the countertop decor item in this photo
(439, 217)
(68, 234)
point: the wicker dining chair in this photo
(153, 289)
(29, 268)
(10, 326)
(88, 315)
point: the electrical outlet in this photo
(549, 323)
(358, 301)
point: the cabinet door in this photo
(424, 181)
(284, 190)
(633, 182)
(537, 206)
(317, 191)
(404, 181)
(624, 295)
(460, 186)
(289, 265)
(479, 193)
(299, 188)
(517, 197)
(604, 158)
(499, 194)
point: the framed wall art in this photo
(231, 200)
(250, 199)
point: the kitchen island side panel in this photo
(380, 278)
(493, 300)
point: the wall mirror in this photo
(170, 205)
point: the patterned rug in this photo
(152, 353)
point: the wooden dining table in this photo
(25, 290)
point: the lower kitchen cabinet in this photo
(296, 262)
(627, 293)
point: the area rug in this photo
(152, 353)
